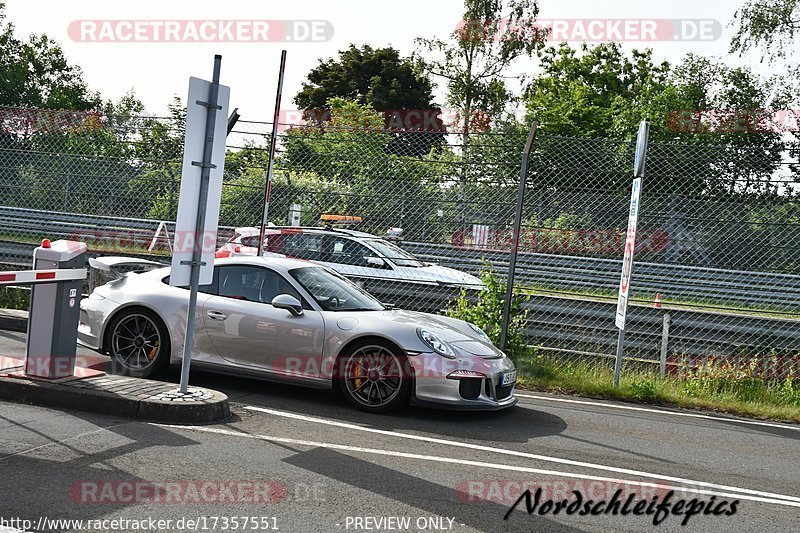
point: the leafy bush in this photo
(486, 312)
(643, 390)
(14, 298)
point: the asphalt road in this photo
(330, 468)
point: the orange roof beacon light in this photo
(339, 219)
(329, 220)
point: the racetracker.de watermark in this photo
(734, 120)
(226, 491)
(592, 30)
(199, 31)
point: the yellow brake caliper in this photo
(357, 372)
(154, 351)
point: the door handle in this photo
(216, 315)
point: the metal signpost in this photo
(201, 188)
(630, 243)
(270, 163)
(512, 263)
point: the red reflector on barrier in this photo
(45, 275)
(8, 277)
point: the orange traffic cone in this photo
(657, 304)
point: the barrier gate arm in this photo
(29, 277)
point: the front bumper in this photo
(432, 386)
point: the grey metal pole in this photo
(68, 185)
(664, 345)
(197, 252)
(512, 263)
(171, 192)
(618, 360)
(638, 172)
(270, 163)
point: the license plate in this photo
(508, 378)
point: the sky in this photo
(158, 70)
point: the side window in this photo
(303, 245)
(207, 289)
(347, 251)
(276, 243)
(252, 283)
(251, 241)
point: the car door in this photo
(246, 330)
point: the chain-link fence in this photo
(716, 273)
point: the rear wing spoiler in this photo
(106, 269)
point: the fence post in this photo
(512, 262)
(67, 186)
(171, 193)
(272, 140)
(664, 345)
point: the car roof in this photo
(277, 230)
(277, 263)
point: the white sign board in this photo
(294, 214)
(641, 150)
(627, 261)
(480, 235)
(186, 221)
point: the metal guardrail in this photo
(556, 322)
(572, 324)
(693, 284)
(679, 282)
(120, 233)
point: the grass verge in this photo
(710, 388)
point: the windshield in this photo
(396, 254)
(333, 292)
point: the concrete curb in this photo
(127, 403)
(53, 394)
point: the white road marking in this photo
(516, 453)
(660, 411)
(467, 462)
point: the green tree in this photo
(377, 77)
(158, 151)
(602, 92)
(584, 94)
(349, 154)
(770, 24)
(491, 37)
(385, 81)
(710, 135)
(35, 73)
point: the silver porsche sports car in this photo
(291, 320)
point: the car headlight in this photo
(436, 344)
(482, 334)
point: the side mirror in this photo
(288, 302)
(376, 262)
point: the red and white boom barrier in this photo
(54, 311)
(28, 277)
